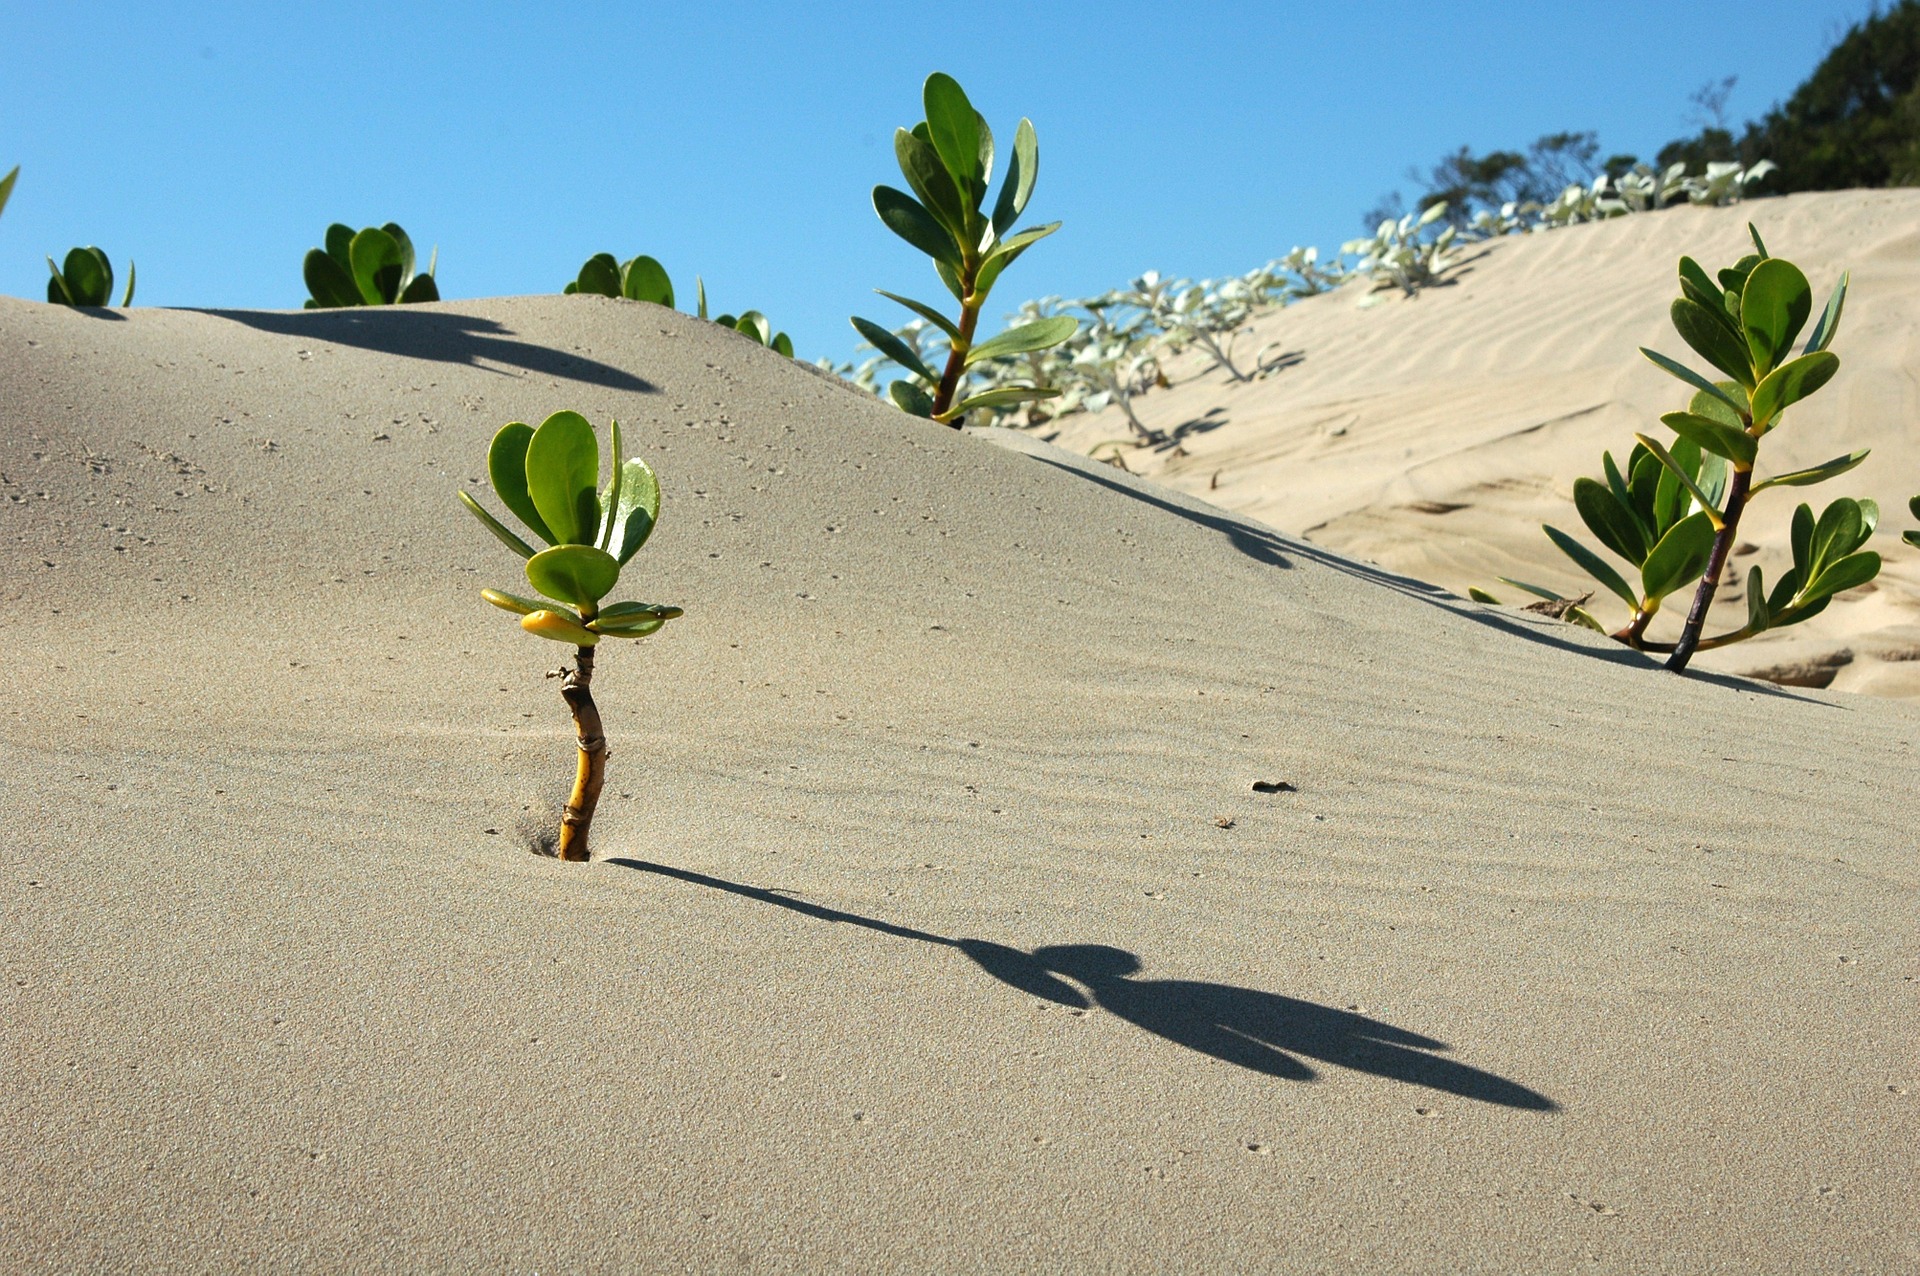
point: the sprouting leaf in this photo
(6, 187)
(1680, 558)
(894, 348)
(507, 471)
(1773, 308)
(997, 398)
(1822, 335)
(1759, 617)
(599, 276)
(1848, 573)
(1616, 484)
(782, 343)
(1006, 254)
(86, 277)
(1037, 335)
(1842, 528)
(1758, 244)
(911, 399)
(560, 628)
(339, 244)
(1594, 565)
(1735, 276)
(419, 288)
(1817, 474)
(610, 498)
(954, 127)
(376, 266)
(128, 299)
(1615, 524)
(1791, 382)
(905, 217)
(1480, 595)
(1017, 189)
(1711, 339)
(1698, 287)
(1692, 378)
(626, 615)
(404, 244)
(522, 606)
(638, 510)
(921, 165)
(577, 574)
(925, 311)
(1713, 436)
(1683, 474)
(498, 528)
(328, 282)
(563, 475)
(644, 279)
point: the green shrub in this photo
(371, 267)
(549, 479)
(637, 279)
(85, 279)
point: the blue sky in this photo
(213, 142)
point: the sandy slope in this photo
(937, 925)
(1435, 435)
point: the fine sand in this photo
(936, 922)
(1434, 435)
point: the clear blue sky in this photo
(213, 142)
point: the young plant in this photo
(947, 159)
(549, 479)
(372, 267)
(637, 279)
(752, 324)
(1398, 257)
(86, 279)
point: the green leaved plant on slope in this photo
(549, 479)
(370, 267)
(1676, 512)
(85, 278)
(638, 278)
(947, 159)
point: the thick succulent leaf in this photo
(921, 165)
(1805, 611)
(1679, 559)
(328, 282)
(1759, 245)
(1684, 469)
(1683, 372)
(57, 292)
(507, 471)
(420, 288)
(1037, 335)
(644, 279)
(1698, 286)
(954, 128)
(560, 628)
(1714, 436)
(781, 344)
(339, 245)
(6, 186)
(1715, 407)
(1800, 537)
(639, 629)
(599, 276)
(89, 276)
(1615, 483)
(754, 324)
(1913, 505)
(1735, 276)
(996, 398)
(376, 266)
(626, 615)
(1791, 382)
(1711, 339)
(1759, 615)
(610, 498)
(1841, 530)
(638, 512)
(894, 348)
(1782, 594)
(925, 311)
(911, 399)
(1022, 169)
(522, 606)
(1823, 332)
(1615, 525)
(906, 217)
(577, 574)
(1852, 571)
(404, 244)
(1911, 538)
(1817, 474)
(563, 475)
(1480, 595)
(1643, 485)
(128, 299)
(1773, 308)
(499, 529)
(1593, 565)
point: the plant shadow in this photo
(1260, 1031)
(443, 336)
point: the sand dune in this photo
(1435, 434)
(937, 922)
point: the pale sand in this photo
(1434, 435)
(277, 996)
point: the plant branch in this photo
(577, 690)
(957, 360)
(1703, 596)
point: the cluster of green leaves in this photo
(371, 267)
(637, 279)
(752, 325)
(85, 279)
(549, 479)
(947, 159)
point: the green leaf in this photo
(1698, 287)
(644, 279)
(1538, 591)
(6, 187)
(1692, 378)
(1006, 253)
(905, 217)
(1679, 559)
(1735, 276)
(627, 615)
(1842, 528)
(57, 291)
(782, 343)
(1711, 339)
(911, 399)
(1713, 436)
(1759, 616)
(997, 398)
(1593, 565)
(1615, 525)
(639, 629)
(498, 528)
(1759, 245)
(376, 266)
(563, 473)
(128, 299)
(700, 286)
(954, 127)
(1791, 382)
(420, 288)
(339, 245)
(1822, 335)
(521, 606)
(894, 348)
(507, 471)
(610, 498)
(1616, 485)
(1480, 595)
(1913, 505)
(926, 312)
(405, 245)
(921, 165)
(1644, 476)
(1022, 169)
(951, 278)
(1683, 474)
(1773, 308)
(1716, 408)
(88, 277)
(639, 510)
(1581, 616)
(559, 627)
(755, 325)
(1911, 538)
(1037, 335)
(577, 574)
(1849, 573)
(328, 282)
(599, 276)
(1818, 474)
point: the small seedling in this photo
(948, 161)
(86, 279)
(637, 279)
(549, 479)
(371, 267)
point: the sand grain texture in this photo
(937, 924)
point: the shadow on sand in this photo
(1261, 1031)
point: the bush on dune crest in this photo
(644, 279)
(371, 267)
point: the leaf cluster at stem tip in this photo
(85, 278)
(947, 160)
(370, 267)
(644, 279)
(549, 479)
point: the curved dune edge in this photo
(1435, 435)
(938, 921)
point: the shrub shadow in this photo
(439, 335)
(1263, 1032)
